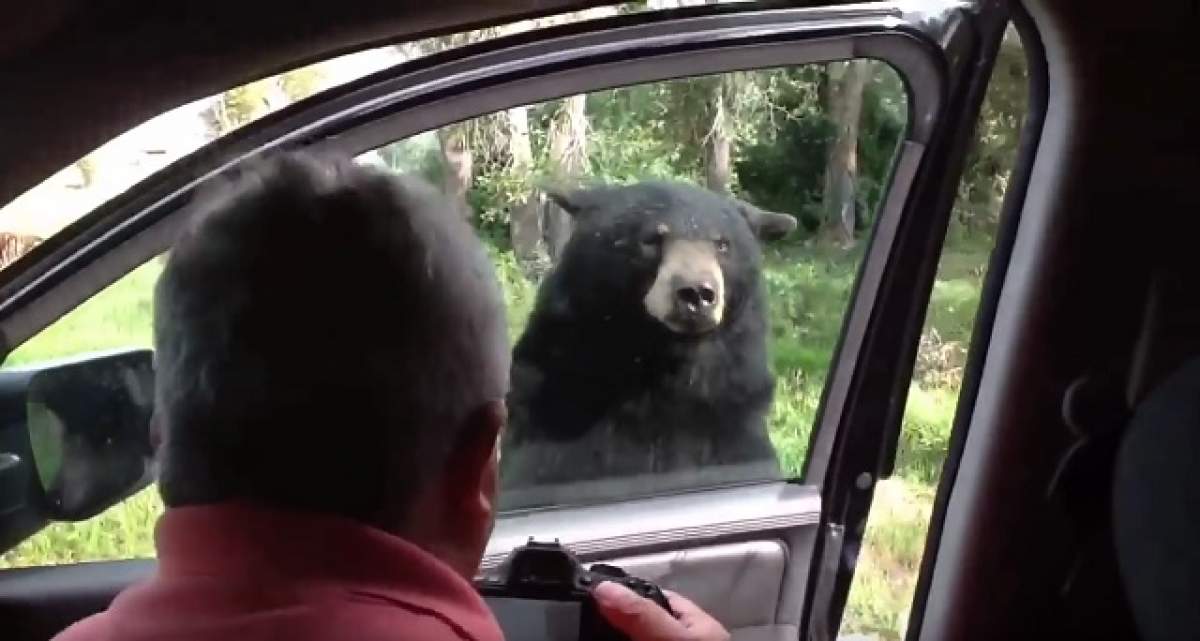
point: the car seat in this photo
(1156, 509)
(1156, 470)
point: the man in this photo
(331, 361)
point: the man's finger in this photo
(700, 624)
(681, 605)
(638, 617)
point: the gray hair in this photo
(322, 330)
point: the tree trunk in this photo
(845, 91)
(568, 159)
(456, 165)
(455, 139)
(719, 142)
(525, 226)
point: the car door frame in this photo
(874, 356)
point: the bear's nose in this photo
(697, 297)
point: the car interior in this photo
(1065, 506)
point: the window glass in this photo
(890, 558)
(627, 224)
(692, 243)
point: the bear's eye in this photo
(655, 237)
(722, 245)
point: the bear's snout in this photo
(695, 304)
(688, 294)
(695, 296)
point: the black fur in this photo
(602, 389)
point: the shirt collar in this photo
(238, 540)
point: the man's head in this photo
(331, 338)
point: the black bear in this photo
(645, 357)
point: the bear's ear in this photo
(767, 225)
(570, 201)
(579, 201)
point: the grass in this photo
(118, 316)
(808, 289)
(125, 531)
(889, 560)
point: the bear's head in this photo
(682, 256)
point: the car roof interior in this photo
(1090, 302)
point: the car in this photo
(1090, 254)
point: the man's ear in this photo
(473, 458)
(767, 225)
(453, 518)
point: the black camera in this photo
(541, 592)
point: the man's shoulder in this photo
(361, 615)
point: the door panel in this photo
(747, 567)
(741, 584)
(662, 523)
(37, 603)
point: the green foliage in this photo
(418, 155)
(246, 103)
(519, 292)
(251, 101)
(301, 83)
(781, 162)
(782, 166)
(808, 289)
(776, 121)
(493, 196)
(928, 416)
(791, 420)
(632, 135)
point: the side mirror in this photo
(87, 423)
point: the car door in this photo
(771, 557)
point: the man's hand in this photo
(644, 620)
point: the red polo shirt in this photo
(236, 571)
